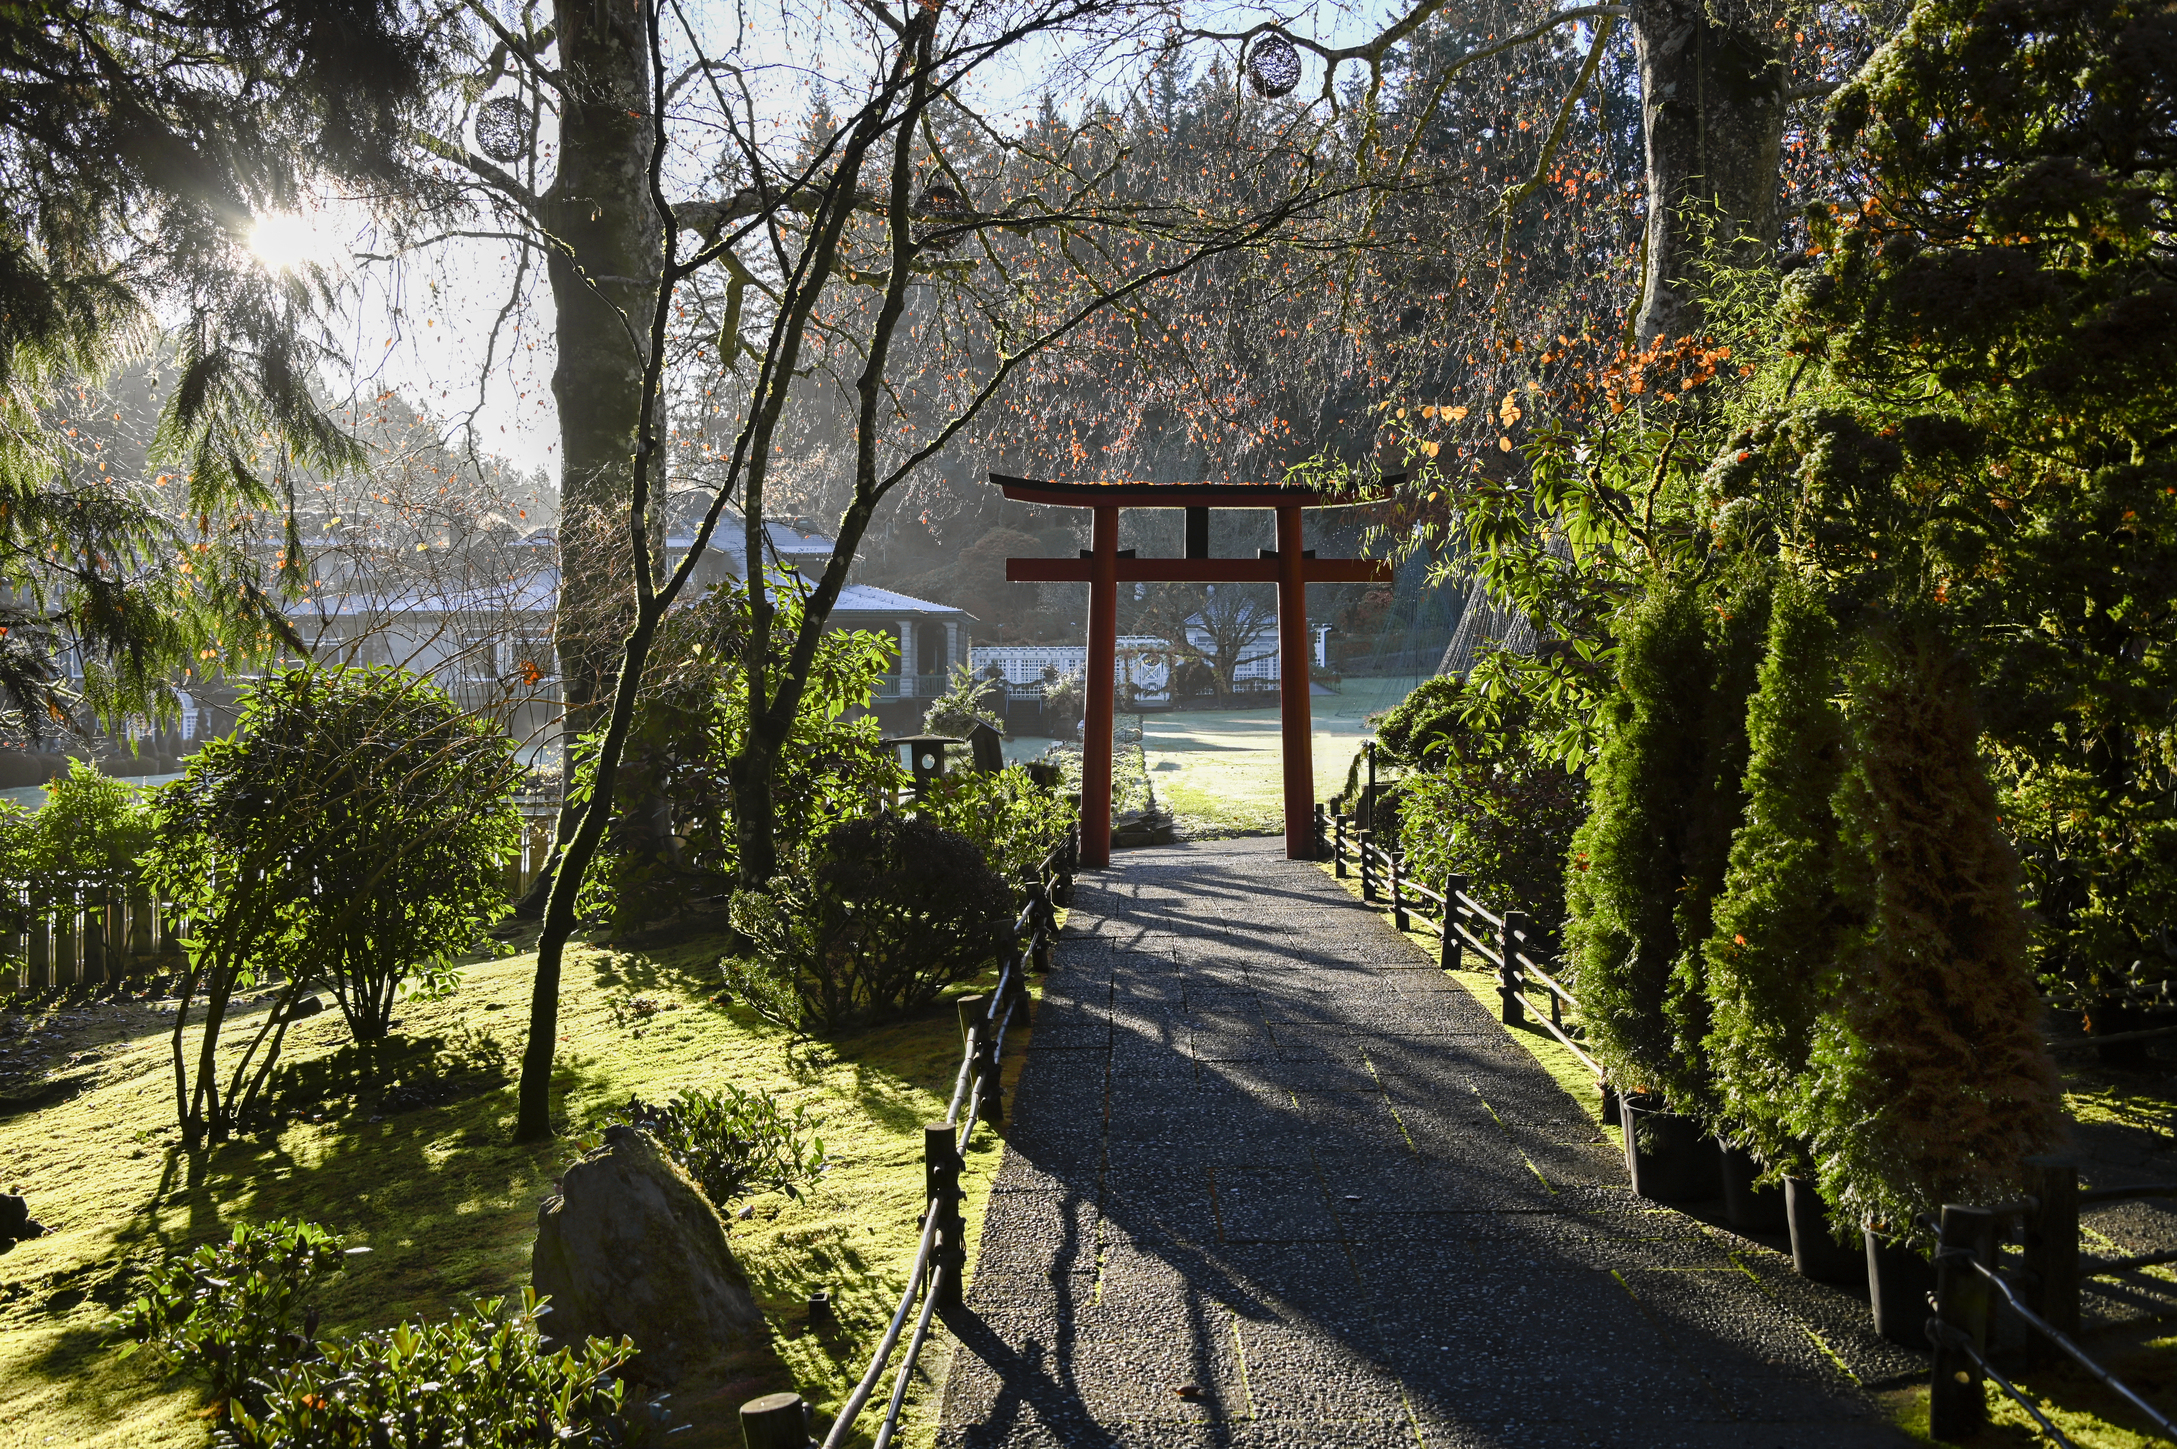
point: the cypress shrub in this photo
(1628, 856)
(1772, 957)
(1667, 795)
(1736, 625)
(1929, 1079)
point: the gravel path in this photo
(1274, 1180)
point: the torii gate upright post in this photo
(1103, 567)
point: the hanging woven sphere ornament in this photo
(502, 128)
(940, 204)
(941, 201)
(1273, 66)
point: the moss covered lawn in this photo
(440, 1194)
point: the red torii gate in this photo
(1103, 566)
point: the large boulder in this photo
(630, 1247)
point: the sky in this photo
(423, 322)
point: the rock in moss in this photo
(630, 1248)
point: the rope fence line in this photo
(1511, 942)
(937, 1274)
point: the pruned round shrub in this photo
(883, 915)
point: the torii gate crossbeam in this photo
(1103, 568)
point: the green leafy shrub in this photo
(1420, 729)
(1930, 1080)
(483, 1380)
(86, 841)
(1011, 819)
(1487, 804)
(236, 1310)
(1065, 699)
(93, 827)
(968, 701)
(881, 917)
(351, 832)
(731, 1142)
(1773, 956)
(673, 839)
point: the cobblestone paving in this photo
(1274, 1180)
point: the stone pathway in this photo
(1272, 1179)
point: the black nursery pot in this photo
(1669, 1157)
(1814, 1252)
(1748, 1208)
(1899, 1280)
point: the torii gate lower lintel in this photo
(1102, 567)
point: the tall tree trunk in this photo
(1712, 109)
(604, 276)
(605, 271)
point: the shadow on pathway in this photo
(1275, 1180)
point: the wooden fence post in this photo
(1368, 869)
(65, 939)
(1039, 953)
(1957, 1405)
(2052, 1251)
(1338, 847)
(1454, 950)
(97, 965)
(38, 958)
(14, 948)
(1398, 899)
(1321, 844)
(1509, 980)
(775, 1421)
(941, 1182)
(979, 1035)
(140, 927)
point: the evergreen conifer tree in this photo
(1628, 857)
(1772, 957)
(1736, 623)
(1929, 1079)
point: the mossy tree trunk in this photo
(1712, 110)
(604, 261)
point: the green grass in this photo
(445, 1200)
(1222, 773)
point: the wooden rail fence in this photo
(780, 1421)
(1511, 943)
(104, 932)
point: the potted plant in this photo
(1648, 861)
(1928, 1081)
(1779, 926)
(1900, 1278)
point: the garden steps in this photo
(1273, 1179)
